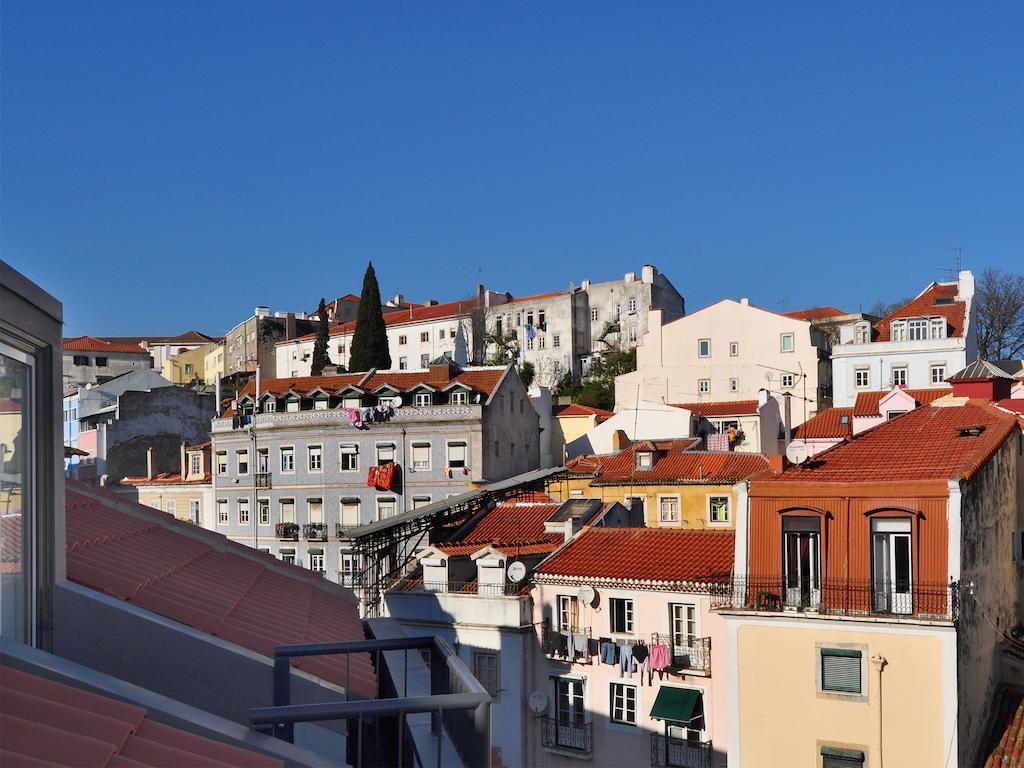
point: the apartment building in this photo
(189, 366)
(730, 351)
(186, 495)
(88, 360)
(163, 348)
(627, 637)
(881, 573)
(917, 346)
(251, 344)
(313, 456)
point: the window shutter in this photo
(837, 757)
(840, 670)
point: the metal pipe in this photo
(879, 661)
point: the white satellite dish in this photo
(587, 594)
(538, 702)
(516, 571)
(769, 375)
(797, 452)
(396, 402)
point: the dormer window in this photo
(351, 401)
(937, 328)
(460, 397)
(321, 404)
(898, 330)
(292, 405)
(270, 405)
(644, 460)
(861, 333)
(423, 399)
(917, 329)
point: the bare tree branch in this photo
(1000, 305)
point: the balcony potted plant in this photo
(287, 531)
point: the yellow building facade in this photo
(213, 363)
(189, 366)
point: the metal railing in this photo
(315, 531)
(558, 644)
(844, 597)
(505, 589)
(379, 729)
(577, 737)
(263, 481)
(679, 753)
(695, 655)
(287, 531)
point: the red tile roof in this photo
(1009, 722)
(867, 403)
(165, 478)
(924, 306)
(43, 722)
(828, 423)
(674, 463)
(201, 579)
(578, 409)
(187, 338)
(726, 408)
(815, 313)
(924, 444)
(92, 344)
(644, 554)
(536, 297)
(483, 380)
(514, 525)
(412, 314)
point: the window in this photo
(456, 455)
(386, 507)
(840, 670)
(270, 405)
(703, 386)
(222, 462)
(937, 374)
(556, 341)
(718, 509)
(668, 509)
(196, 464)
(189, 368)
(936, 328)
(424, 361)
(529, 343)
(349, 512)
(243, 511)
(425, 336)
(786, 342)
(568, 613)
(917, 329)
(242, 461)
(348, 569)
(529, 317)
(734, 348)
(314, 458)
(321, 404)
(594, 314)
(631, 305)
(898, 330)
(839, 757)
(421, 457)
(569, 711)
(349, 457)
(860, 333)
(620, 617)
(892, 565)
(734, 385)
(316, 560)
(424, 399)
(420, 501)
(101, 362)
(440, 334)
(899, 376)
(170, 506)
(288, 556)
(541, 340)
(80, 359)
(194, 512)
(683, 621)
(314, 510)
(460, 397)
(263, 511)
(403, 363)
(861, 378)
(288, 459)
(385, 453)
(402, 340)
(788, 380)
(291, 405)
(623, 703)
(485, 669)
(222, 511)
(287, 510)
(801, 552)
(263, 460)
(703, 347)
(632, 333)
(644, 460)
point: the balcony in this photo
(263, 481)
(314, 531)
(841, 597)
(474, 587)
(679, 753)
(694, 656)
(558, 644)
(287, 531)
(442, 602)
(575, 738)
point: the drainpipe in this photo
(879, 662)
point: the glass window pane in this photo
(15, 496)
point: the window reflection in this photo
(15, 496)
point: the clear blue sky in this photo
(168, 165)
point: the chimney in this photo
(149, 463)
(262, 312)
(289, 326)
(965, 285)
(745, 301)
(649, 273)
(620, 440)
(630, 277)
(182, 463)
(777, 462)
(585, 285)
(441, 372)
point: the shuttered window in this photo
(840, 670)
(837, 757)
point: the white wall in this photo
(881, 358)
(645, 421)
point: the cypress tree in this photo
(370, 342)
(320, 356)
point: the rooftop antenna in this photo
(957, 254)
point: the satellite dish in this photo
(516, 571)
(769, 375)
(538, 702)
(797, 452)
(396, 401)
(587, 594)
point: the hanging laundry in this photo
(609, 652)
(531, 334)
(660, 656)
(579, 646)
(563, 645)
(626, 665)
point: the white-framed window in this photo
(287, 455)
(937, 328)
(840, 670)
(196, 464)
(222, 463)
(861, 378)
(420, 501)
(315, 458)
(387, 506)
(351, 401)
(262, 459)
(243, 511)
(403, 363)
(623, 703)
(568, 613)
(321, 404)
(263, 511)
(787, 342)
(899, 376)
(348, 458)
(529, 343)
(349, 512)
(644, 460)
(703, 386)
(734, 385)
(287, 510)
(937, 373)
(288, 556)
(485, 669)
(570, 710)
(668, 509)
(425, 336)
(424, 360)
(424, 399)
(620, 615)
(222, 511)
(594, 314)
(316, 560)
(242, 461)
(556, 340)
(631, 304)
(457, 454)
(170, 506)
(385, 453)
(541, 341)
(898, 330)
(861, 333)
(734, 349)
(347, 568)
(195, 511)
(291, 405)
(460, 397)
(703, 347)
(421, 457)
(917, 329)
(683, 619)
(787, 379)
(718, 509)
(314, 510)
(402, 341)
(632, 333)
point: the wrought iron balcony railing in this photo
(315, 531)
(843, 597)
(575, 737)
(679, 753)
(505, 589)
(263, 481)
(287, 531)
(695, 654)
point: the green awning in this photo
(675, 704)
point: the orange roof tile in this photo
(1008, 752)
(925, 444)
(43, 722)
(536, 297)
(867, 403)
(815, 313)
(644, 554)
(92, 344)
(201, 579)
(578, 409)
(832, 422)
(924, 306)
(483, 380)
(166, 478)
(674, 463)
(512, 524)
(724, 408)
(413, 314)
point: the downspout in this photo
(879, 662)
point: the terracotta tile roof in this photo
(1015, 405)
(867, 403)
(815, 313)
(516, 525)
(201, 579)
(165, 478)
(674, 463)
(536, 297)
(188, 338)
(92, 344)
(832, 422)
(726, 408)
(413, 314)
(644, 554)
(924, 306)
(1008, 720)
(577, 409)
(482, 379)
(43, 722)
(925, 444)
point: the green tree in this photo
(598, 391)
(370, 342)
(527, 372)
(320, 356)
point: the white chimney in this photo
(630, 277)
(262, 312)
(649, 273)
(745, 301)
(182, 471)
(149, 463)
(585, 285)
(965, 285)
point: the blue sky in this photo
(171, 165)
